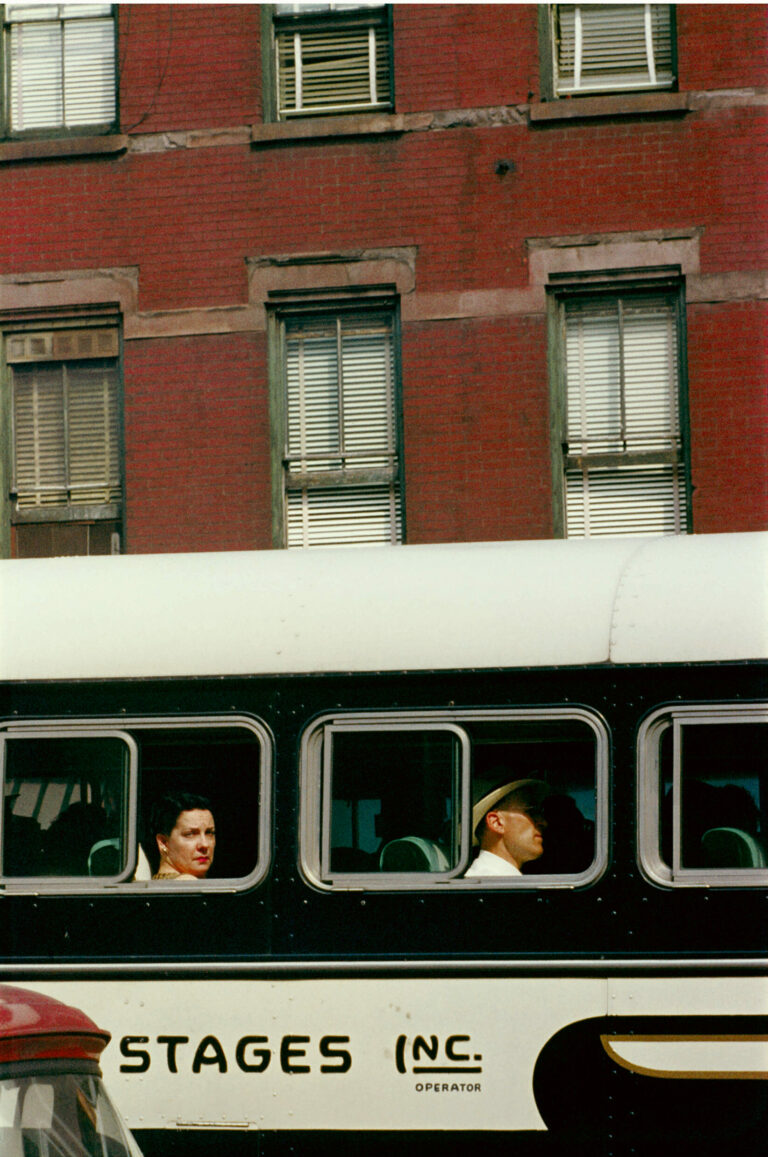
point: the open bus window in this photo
(78, 800)
(705, 805)
(388, 799)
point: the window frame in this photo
(612, 285)
(648, 795)
(315, 796)
(55, 132)
(550, 90)
(109, 727)
(273, 21)
(129, 806)
(329, 306)
(71, 512)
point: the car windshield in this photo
(63, 1115)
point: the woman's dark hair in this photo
(167, 810)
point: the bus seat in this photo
(413, 854)
(104, 858)
(731, 848)
(143, 869)
(345, 859)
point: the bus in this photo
(337, 981)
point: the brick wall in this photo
(197, 445)
(185, 213)
(728, 370)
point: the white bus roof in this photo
(512, 604)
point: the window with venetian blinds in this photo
(332, 58)
(623, 456)
(66, 421)
(611, 47)
(60, 66)
(341, 466)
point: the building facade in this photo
(295, 275)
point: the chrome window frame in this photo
(649, 857)
(314, 780)
(110, 727)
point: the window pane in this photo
(61, 69)
(394, 801)
(562, 755)
(341, 485)
(35, 81)
(624, 472)
(338, 63)
(343, 516)
(312, 376)
(93, 433)
(89, 72)
(65, 810)
(625, 501)
(40, 467)
(604, 47)
(367, 369)
(650, 374)
(222, 764)
(723, 796)
(66, 434)
(622, 375)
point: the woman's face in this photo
(189, 847)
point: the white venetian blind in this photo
(603, 47)
(61, 66)
(66, 435)
(341, 455)
(623, 468)
(338, 64)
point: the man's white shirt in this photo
(489, 864)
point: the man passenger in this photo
(508, 824)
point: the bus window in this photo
(383, 817)
(225, 764)
(706, 795)
(563, 755)
(387, 800)
(78, 801)
(66, 806)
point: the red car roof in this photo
(34, 1027)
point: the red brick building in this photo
(413, 273)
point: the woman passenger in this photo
(183, 826)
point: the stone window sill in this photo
(93, 513)
(317, 128)
(52, 149)
(627, 104)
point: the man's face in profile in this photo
(521, 832)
